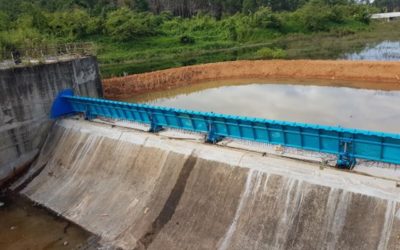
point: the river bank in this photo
(357, 74)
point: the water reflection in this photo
(384, 51)
(347, 107)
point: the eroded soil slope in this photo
(361, 74)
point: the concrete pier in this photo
(26, 96)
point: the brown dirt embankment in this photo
(360, 74)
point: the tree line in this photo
(185, 8)
(37, 22)
(387, 5)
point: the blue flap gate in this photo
(347, 144)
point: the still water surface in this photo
(24, 226)
(384, 51)
(338, 106)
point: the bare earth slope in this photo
(364, 74)
(141, 191)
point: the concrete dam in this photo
(137, 190)
(169, 190)
(26, 96)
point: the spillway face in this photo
(139, 191)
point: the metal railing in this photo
(347, 144)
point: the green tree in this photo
(4, 21)
(249, 6)
(124, 25)
(265, 18)
(315, 16)
(69, 25)
(140, 5)
(232, 6)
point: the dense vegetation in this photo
(141, 30)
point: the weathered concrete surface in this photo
(359, 74)
(26, 96)
(141, 191)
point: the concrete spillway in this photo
(141, 191)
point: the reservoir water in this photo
(337, 106)
(384, 51)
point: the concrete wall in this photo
(140, 191)
(26, 95)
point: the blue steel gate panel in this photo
(377, 146)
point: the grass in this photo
(161, 52)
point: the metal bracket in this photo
(346, 159)
(61, 107)
(154, 127)
(212, 137)
(89, 116)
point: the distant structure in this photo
(388, 16)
